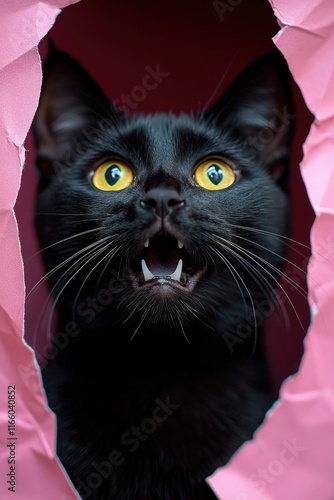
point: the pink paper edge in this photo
(297, 387)
(27, 452)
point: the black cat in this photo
(157, 237)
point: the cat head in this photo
(171, 217)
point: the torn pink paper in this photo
(28, 465)
(292, 455)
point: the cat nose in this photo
(162, 200)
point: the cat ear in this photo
(258, 107)
(71, 105)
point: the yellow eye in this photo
(214, 175)
(112, 176)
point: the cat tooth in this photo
(177, 273)
(147, 273)
(180, 244)
(146, 244)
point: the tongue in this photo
(160, 266)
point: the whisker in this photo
(141, 322)
(269, 264)
(181, 326)
(95, 254)
(69, 214)
(205, 108)
(290, 281)
(126, 259)
(59, 266)
(112, 252)
(232, 270)
(288, 261)
(252, 257)
(271, 251)
(63, 241)
(192, 311)
(134, 309)
(268, 286)
(276, 235)
(110, 255)
(263, 284)
(91, 248)
(223, 257)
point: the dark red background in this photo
(202, 52)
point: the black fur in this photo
(185, 368)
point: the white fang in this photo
(177, 273)
(180, 244)
(147, 273)
(146, 244)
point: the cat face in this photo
(178, 209)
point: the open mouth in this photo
(165, 262)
